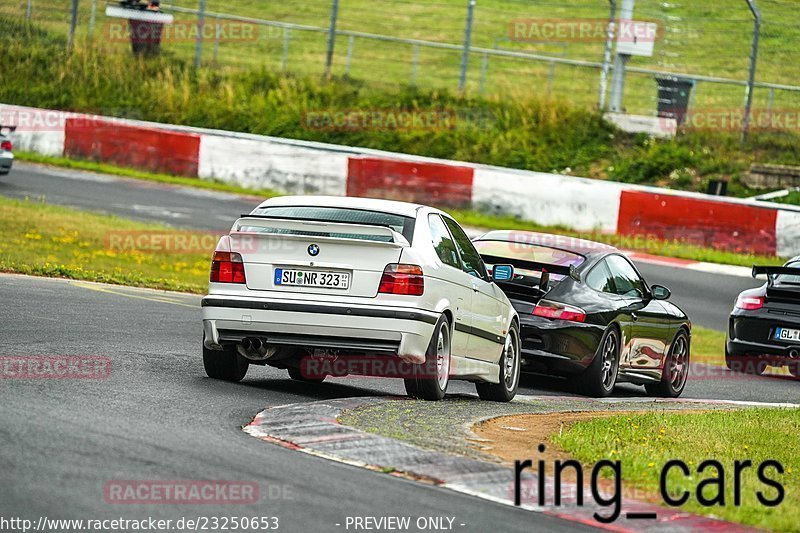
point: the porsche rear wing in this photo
(772, 271)
(320, 230)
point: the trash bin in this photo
(145, 36)
(673, 97)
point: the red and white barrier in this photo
(300, 167)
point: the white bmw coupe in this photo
(330, 286)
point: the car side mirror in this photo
(502, 272)
(660, 292)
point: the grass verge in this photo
(46, 240)
(645, 442)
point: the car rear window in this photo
(529, 252)
(399, 223)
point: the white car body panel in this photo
(400, 325)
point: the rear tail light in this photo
(227, 266)
(6, 145)
(402, 279)
(749, 303)
(558, 311)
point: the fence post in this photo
(484, 67)
(29, 10)
(287, 35)
(462, 79)
(92, 18)
(198, 49)
(751, 79)
(618, 83)
(350, 43)
(601, 103)
(217, 33)
(73, 22)
(331, 38)
(414, 62)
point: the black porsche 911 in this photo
(764, 327)
(586, 312)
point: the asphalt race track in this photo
(158, 417)
(707, 298)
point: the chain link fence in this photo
(496, 48)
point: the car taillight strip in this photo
(227, 267)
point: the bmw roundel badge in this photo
(313, 250)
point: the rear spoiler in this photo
(545, 268)
(318, 230)
(772, 271)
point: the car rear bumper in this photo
(6, 160)
(358, 328)
(753, 335)
(557, 345)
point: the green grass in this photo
(645, 442)
(46, 240)
(708, 346)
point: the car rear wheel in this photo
(509, 372)
(431, 378)
(676, 370)
(297, 375)
(226, 364)
(599, 379)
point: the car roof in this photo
(347, 202)
(562, 242)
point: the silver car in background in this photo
(6, 149)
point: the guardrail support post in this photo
(73, 22)
(414, 62)
(462, 79)
(751, 79)
(331, 38)
(29, 10)
(287, 36)
(198, 49)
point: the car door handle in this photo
(635, 317)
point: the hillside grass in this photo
(536, 132)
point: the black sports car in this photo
(585, 311)
(764, 328)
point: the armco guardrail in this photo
(301, 167)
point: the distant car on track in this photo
(307, 279)
(764, 326)
(6, 149)
(586, 312)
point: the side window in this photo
(599, 278)
(442, 243)
(471, 259)
(626, 280)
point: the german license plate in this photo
(784, 334)
(312, 278)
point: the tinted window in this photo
(626, 281)
(442, 243)
(790, 278)
(471, 260)
(599, 278)
(399, 223)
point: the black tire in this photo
(431, 378)
(226, 364)
(676, 369)
(744, 364)
(597, 380)
(297, 375)
(509, 371)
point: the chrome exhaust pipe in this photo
(255, 349)
(794, 354)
